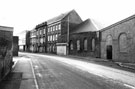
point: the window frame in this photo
(85, 44)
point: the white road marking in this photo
(35, 80)
(132, 87)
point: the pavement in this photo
(21, 76)
(119, 65)
(122, 65)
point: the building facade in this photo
(24, 40)
(83, 40)
(41, 37)
(118, 41)
(60, 25)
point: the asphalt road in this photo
(53, 74)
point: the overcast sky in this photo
(25, 14)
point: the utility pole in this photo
(68, 36)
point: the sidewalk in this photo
(124, 66)
(23, 65)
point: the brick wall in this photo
(81, 36)
(127, 27)
(15, 46)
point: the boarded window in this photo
(78, 45)
(93, 44)
(85, 44)
(123, 43)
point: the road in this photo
(52, 73)
(37, 71)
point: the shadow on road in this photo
(11, 81)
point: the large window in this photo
(85, 44)
(78, 45)
(123, 42)
(93, 44)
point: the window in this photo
(44, 30)
(53, 28)
(56, 36)
(53, 37)
(85, 44)
(56, 27)
(40, 32)
(93, 44)
(59, 26)
(78, 45)
(48, 29)
(71, 45)
(123, 42)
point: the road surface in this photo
(37, 71)
(53, 72)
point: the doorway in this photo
(109, 52)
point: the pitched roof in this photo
(85, 26)
(58, 18)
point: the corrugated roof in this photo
(85, 26)
(58, 18)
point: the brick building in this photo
(118, 41)
(41, 37)
(58, 26)
(83, 40)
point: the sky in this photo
(26, 14)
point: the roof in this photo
(58, 18)
(85, 26)
(5, 28)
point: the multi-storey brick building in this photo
(41, 37)
(59, 26)
(118, 41)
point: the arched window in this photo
(93, 44)
(78, 45)
(85, 44)
(123, 42)
(71, 45)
